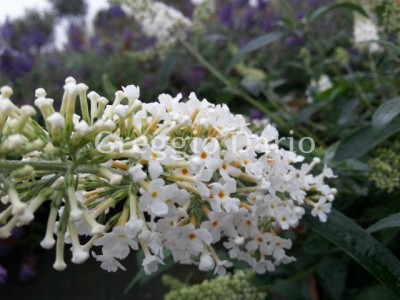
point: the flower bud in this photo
(206, 262)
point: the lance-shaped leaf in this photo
(320, 12)
(386, 113)
(254, 45)
(361, 246)
(388, 222)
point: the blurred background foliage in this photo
(295, 63)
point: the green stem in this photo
(10, 165)
(280, 122)
(274, 117)
(360, 91)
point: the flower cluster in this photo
(323, 84)
(235, 286)
(385, 167)
(366, 34)
(159, 20)
(169, 176)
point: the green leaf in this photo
(320, 12)
(287, 290)
(388, 222)
(386, 113)
(332, 274)
(363, 140)
(353, 165)
(375, 292)
(167, 67)
(254, 45)
(361, 246)
(289, 23)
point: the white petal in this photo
(159, 208)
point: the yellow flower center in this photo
(203, 155)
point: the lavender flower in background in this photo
(4, 248)
(14, 63)
(300, 15)
(111, 20)
(255, 114)
(248, 19)
(3, 275)
(27, 273)
(34, 39)
(294, 41)
(18, 232)
(317, 3)
(76, 36)
(239, 15)
(194, 76)
(6, 30)
(226, 15)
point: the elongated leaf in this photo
(386, 113)
(332, 274)
(167, 67)
(254, 45)
(375, 292)
(363, 140)
(389, 222)
(320, 12)
(361, 246)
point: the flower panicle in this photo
(177, 175)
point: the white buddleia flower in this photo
(159, 20)
(179, 176)
(366, 34)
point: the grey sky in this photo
(17, 8)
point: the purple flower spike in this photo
(13, 64)
(27, 273)
(256, 115)
(3, 275)
(6, 30)
(226, 16)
